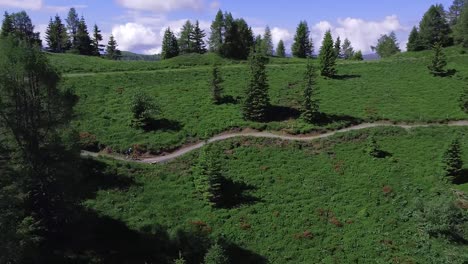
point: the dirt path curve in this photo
(184, 150)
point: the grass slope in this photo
(397, 89)
(319, 202)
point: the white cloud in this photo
(361, 33)
(162, 5)
(152, 51)
(24, 4)
(281, 34)
(131, 35)
(215, 5)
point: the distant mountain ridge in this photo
(130, 56)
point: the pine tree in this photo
(434, 28)
(73, 23)
(414, 43)
(267, 42)
(238, 39)
(463, 101)
(217, 33)
(56, 36)
(7, 25)
(83, 44)
(302, 46)
(216, 255)
(280, 50)
(372, 148)
(208, 176)
(387, 45)
(455, 11)
(198, 36)
(186, 41)
(461, 28)
(338, 48)
(327, 56)
(439, 61)
(170, 47)
(358, 56)
(452, 160)
(97, 37)
(257, 101)
(19, 26)
(259, 45)
(311, 112)
(216, 88)
(112, 52)
(347, 50)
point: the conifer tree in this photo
(257, 101)
(73, 23)
(198, 36)
(259, 45)
(439, 61)
(358, 56)
(311, 112)
(280, 50)
(217, 89)
(170, 47)
(112, 52)
(372, 148)
(463, 101)
(337, 48)
(97, 37)
(186, 41)
(217, 33)
(327, 56)
(19, 25)
(83, 43)
(267, 42)
(347, 50)
(208, 176)
(387, 45)
(414, 43)
(434, 28)
(56, 36)
(452, 160)
(216, 255)
(7, 25)
(302, 46)
(455, 11)
(461, 28)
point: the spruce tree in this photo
(452, 161)
(455, 11)
(310, 112)
(414, 43)
(198, 36)
(83, 43)
(112, 52)
(73, 23)
(208, 176)
(258, 46)
(7, 25)
(434, 28)
(461, 28)
(216, 255)
(267, 42)
(302, 46)
(170, 47)
(19, 25)
(280, 50)
(56, 36)
(97, 37)
(439, 61)
(387, 45)
(347, 50)
(327, 56)
(216, 88)
(338, 48)
(186, 41)
(257, 101)
(372, 148)
(217, 33)
(358, 56)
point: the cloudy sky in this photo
(138, 25)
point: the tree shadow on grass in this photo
(162, 125)
(449, 73)
(462, 178)
(282, 113)
(229, 99)
(236, 194)
(346, 76)
(326, 119)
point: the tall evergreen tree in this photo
(216, 88)
(434, 28)
(452, 160)
(7, 25)
(414, 42)
(387, 45)
(302, 46)
(170, 47)
(21, 28)
(358, 56)
(217, 33)
(267, 43)
(56, 36)
(198, 36)
(111, 50)
(73, 22)
(238, 40)
(257, 101)
(455, 11)
(280, 50)
(327, 56)
(83, 43)
(439, 61)
(208, 176)
(216, 255)
(97, 37)
(311, 111)
(347, 50)
(461, 28)
(186, 41)
(259, 44)
(337, 48)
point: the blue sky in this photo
(138, 24)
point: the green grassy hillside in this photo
(321, 202)
(398, 89)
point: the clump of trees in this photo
(460, 27)
(170, 45)
(387, 45)
(257, 101)
(19, 26)
(191, 38)
(303, 45)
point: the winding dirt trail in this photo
(184, 150)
